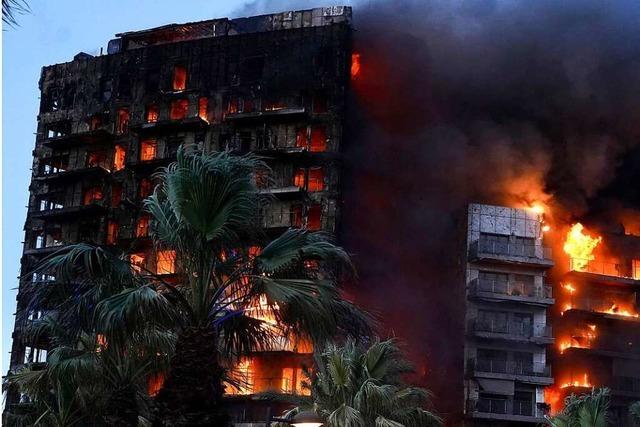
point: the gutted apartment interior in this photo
(507, 332)
(598, 324)
(273, 85)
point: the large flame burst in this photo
(580, 246)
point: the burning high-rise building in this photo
(597, 322)
(507, 331)
(273, 85)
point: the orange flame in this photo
(617, 310)
(576, 383)
(580, 246)
(355, 65)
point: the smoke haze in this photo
(490, 101)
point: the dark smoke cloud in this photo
(491, 101)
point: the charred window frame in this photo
(251, 69)
(179, 77)
(152, 81)
(124, 87)
(52, 100)
(106, 89)
(58, 129)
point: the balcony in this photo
(67, 212)
(283, 192)
(608, 272)
(281, 219)
(188, 124)
(73, 174)
(505, 409)
(626, 386)
(495, 290)
(511, 331)
(76, 139)
(279, 113)
(623, 308)
(536, 373)
(485, 250)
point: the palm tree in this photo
(204, 209)
(106, 373)
(586, 410)
(634, 411)
(11, 8)
(360, 386)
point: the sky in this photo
(54, 32)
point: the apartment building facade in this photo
(598, 326)
(273, 85)
(507, 332)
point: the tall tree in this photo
(204, 209)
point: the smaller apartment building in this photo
(507, 333)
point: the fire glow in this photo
(583, 338)
(355, 65)
(580, 246)
(584, 382)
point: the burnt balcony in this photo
(511, 331)
(188, 124)
(97, 171)
(530, 372)
(505, 409)
(496, 290)
(281, 219)
(606, 272)
(68, 212)
(283, 192)
(485, 250)
(275, 114)
(624, 308)
(98, 136)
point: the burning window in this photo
(296, 216)
(179, 78)
(95, 122)
(298, 178)
(116, 195)
(119, 157)
(91, 195)
(152, 113)
(122, 121)
(165, 262)
(314, 217)
(154, 384)
(302, 140)
(138, 261)
(316, 179)
(148, 149)
(179, 109)
(112, 233)
(318, 139)
(288, 380)
(145, 189)
(142, 226)
(243, 378)
(96, 158)
(234, 106)
(203, 104)
(635, 269)
(355, 65)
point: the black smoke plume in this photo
(489, 101)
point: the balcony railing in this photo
(496, 366)
(505, 406)
(606, 268)
(511, 328)
(484, 246)
(626, 384)
(514, 289)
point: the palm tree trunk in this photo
(122, 408)
(192, 393)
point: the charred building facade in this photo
(598, 320)
(507, 332)
(274, 85)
